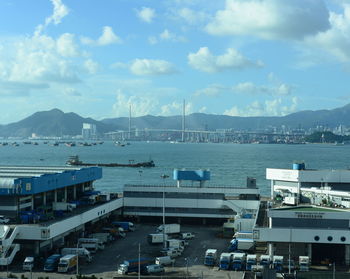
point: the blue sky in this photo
(233, 57)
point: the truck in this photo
(225, 261)
(304, 263)
(127, 226)
(171, 252)
(51, 263)
(28, 263)
(67, 263)
(115, 232)
(103, 237)
(81, 252)
(251, 260)
(277, 262)
(175, 243)
(186, 235)
(243, 244)
(265, 260)
(243, 234)
(129, 266)
(238, 261)
(210, 257)
(169, 228)
(156, 238)
(91, 244)
(64, 206)
(166, 260)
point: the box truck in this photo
(67, 263)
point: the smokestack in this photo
(129, 121)
(183, 122)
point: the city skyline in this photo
(233, 57)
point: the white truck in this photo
(169, 228)
(67, 263)
(243, 234)
(265, 260)
(277, 262)
(238, 261)
(166, 260)
(81, 252)
(186, 235)
(251, 260)
(304, 263)
(103, 237)
(64, 206)
(244, 244)
(156, 238)
(91, 244)
(28, 263)
(210, 257)
(175, 243)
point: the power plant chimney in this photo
(183, 121)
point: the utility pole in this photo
(164, 176)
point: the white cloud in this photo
(59, 12)
(71, 92)
(212, 91)
(204, 60)
(335, 40)
(66, 45)
(91, 66)
(107, 37)
(146, 14)
(250, 88)
(271, 19)
(192, 16)
(166, 35)
(274, 107)
(151, 67)
(140, 106)
(175, 108)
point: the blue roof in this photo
(19, 180)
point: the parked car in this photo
(154, 268)
(4, 219)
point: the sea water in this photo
(230, 164)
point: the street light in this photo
(77, 257)
(164, 176)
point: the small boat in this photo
(74, 161)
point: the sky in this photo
(233, 57)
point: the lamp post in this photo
(164, 176)
(77, 257)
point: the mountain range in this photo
(57, 123)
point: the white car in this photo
(4, 219)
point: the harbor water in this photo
(230, 164)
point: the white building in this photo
(89, 131)
(309, 215)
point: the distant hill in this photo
(57, 123)
(51, 123)
(302, 119)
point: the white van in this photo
(166, 260)
(187, 235)
(172, 253)
(154, 268)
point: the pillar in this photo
(75, 192)
(347, 254)
(270, 249)
(55, 195)
(44, 198)
(65, 194)
(32, 200)
(309, 250)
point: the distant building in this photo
(88, 131)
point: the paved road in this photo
(190, 263)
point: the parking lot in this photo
(189, 264)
